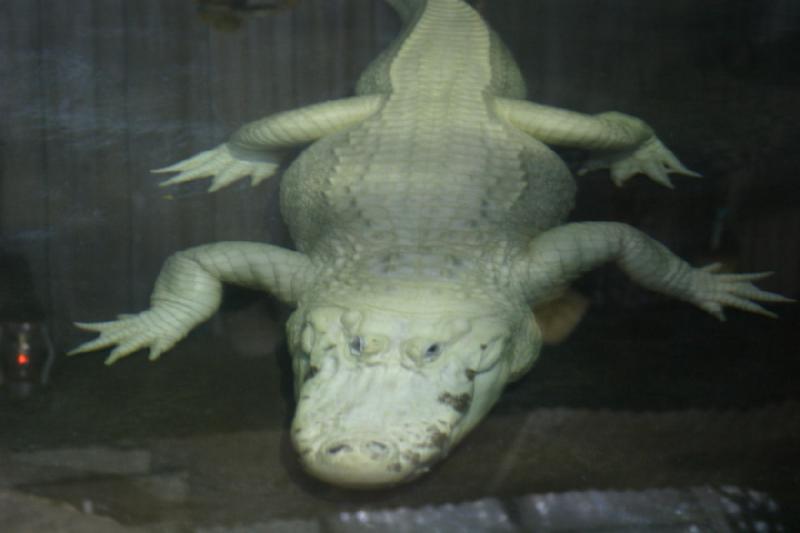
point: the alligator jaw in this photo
(388, 425)
(364, 462)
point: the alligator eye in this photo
(312, 371)
(357, 346)
(433, 351)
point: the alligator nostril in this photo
(337, 448)
(377, 449)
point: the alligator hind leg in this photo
(559, 255)
(621, 143)
(255, 148)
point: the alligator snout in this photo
(357, 462)
(370, 419)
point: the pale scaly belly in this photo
(413, 177)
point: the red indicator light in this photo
(23, 359)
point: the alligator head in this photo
(386, 388)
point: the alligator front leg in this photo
(255, 148)
(619, 142)
(188, 291)
(560, 255)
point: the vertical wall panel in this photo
(168, 88)
(23, 177)
(82, 74)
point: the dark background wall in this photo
(94, 93)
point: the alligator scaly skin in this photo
(428, 217)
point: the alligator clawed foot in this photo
(712, 291)
(651, 158)
(223, 165)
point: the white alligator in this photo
(428, 217)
